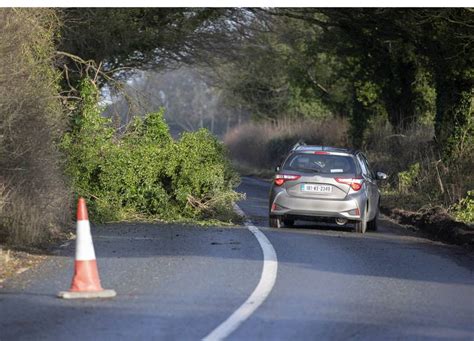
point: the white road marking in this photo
(261, 292)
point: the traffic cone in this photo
(85, 282)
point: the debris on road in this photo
(14, 262)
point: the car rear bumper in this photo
(285, 205)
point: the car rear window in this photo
(325, 163)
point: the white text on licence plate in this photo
(316, 188)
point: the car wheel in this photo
(276, 222)
(373, 224)
(289, 222)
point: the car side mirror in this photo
(381, 176)
(277, 168)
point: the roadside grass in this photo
(419, 179)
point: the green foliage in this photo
(145, 173)
(88, 143)
(303, 104)
(279, 73)
(132, 176)
(367, 92)
(464, 209)
(408, 178)
(424, 99)
(366, 108)
(455, 120)
(200, 173)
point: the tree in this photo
(448, 43)
(404, 51)
(133, 37)
(272, 73)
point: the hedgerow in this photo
(34, 198)
(144, 173)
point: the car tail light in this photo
(321, 153)
(280, 179)
(355, 183)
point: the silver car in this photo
(325, 184)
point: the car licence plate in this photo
(316, 188)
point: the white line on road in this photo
(261, 292)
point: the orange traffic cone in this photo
(85, 282)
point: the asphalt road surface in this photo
(180, 282)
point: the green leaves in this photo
(200, 171)
(464, 209)
(408, 178)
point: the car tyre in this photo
(373, 224)
(276, 222)
(361, 226)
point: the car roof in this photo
(314, 148)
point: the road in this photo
(179, 282)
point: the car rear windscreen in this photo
(320, 163)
